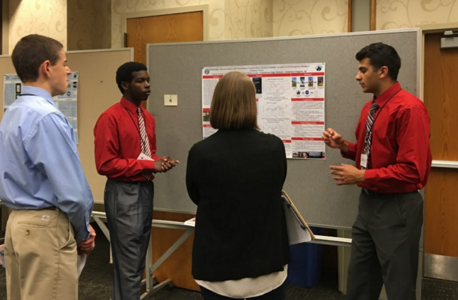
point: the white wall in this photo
(304, 17)
(89, 24)
(393, 14)
(248, 19)
(37, 16)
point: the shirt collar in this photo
(35, 91)
(386, 95)
(129, 105)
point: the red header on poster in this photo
(307, 122)
(306, 139)
(286, 74)
(212, 76)
(307, 99)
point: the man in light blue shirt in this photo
(42, 180)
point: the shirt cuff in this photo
(82, 235)
(148, 165)
(351, 153)
(370, 176)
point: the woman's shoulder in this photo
(243, 135)
(203, 144)
(269, 137)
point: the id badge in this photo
(363, 160)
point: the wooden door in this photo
(182, 27)
(441, 98)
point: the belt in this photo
(369, 192)
(50, 208)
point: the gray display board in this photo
(177, 69)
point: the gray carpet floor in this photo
(95, 283)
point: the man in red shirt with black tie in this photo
(125, 152)
(393, 161)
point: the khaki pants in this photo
(40, 256)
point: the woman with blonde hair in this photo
(235, 177)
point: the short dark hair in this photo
(234, 103)
(380, 55)
(30, 52)
(124, 72)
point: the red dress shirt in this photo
(400, 157)
(118, 143)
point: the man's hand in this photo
(168, 163)
(347, 174)
(334, 140)
(88, 245)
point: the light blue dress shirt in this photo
(39, 162)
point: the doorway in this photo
(171, 28)
(441, 205)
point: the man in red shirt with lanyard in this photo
(393, 160)
(125, 152)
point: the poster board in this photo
(290, 100)
(175, 69)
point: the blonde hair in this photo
(234, 103)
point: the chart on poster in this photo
(290, 100)
(66, 103)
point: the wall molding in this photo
(445, 164)
(5, 27)
(441, 267)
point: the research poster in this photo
(290, 100)
(66, 103)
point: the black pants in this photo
(385, 246)
(129, 209)
(277, 294)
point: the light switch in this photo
(170, 100)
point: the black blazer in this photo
(236, 178)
